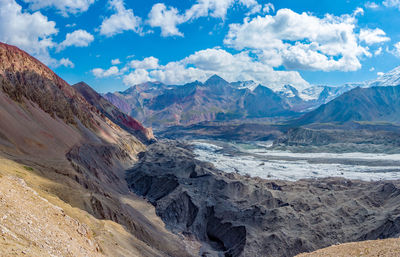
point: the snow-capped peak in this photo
(288, 91)
(391, 78)
(250, 84)
(312, 93)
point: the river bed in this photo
(257, 159)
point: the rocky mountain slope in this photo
(158, 105)
(76, 155)
(376, 248)
(241, 132)
(376, 104)
(216, 100)
(114, 114)
(239, 216)
(32, 226)
(64, 189)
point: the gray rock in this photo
(238, 216)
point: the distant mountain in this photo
(159, 105)
(391, 78)
(376, 101)
(156, 104)
(375, 104)
(114, 114)
(251, 85)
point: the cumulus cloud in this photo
(396, 50)
(168, 18)
(304, 41)
(122, 20)
(373, 36)
(78, 38)
(203, 64)
(378, 51)
(100, 73)
(31, 32)
(146, 63)
(268, 8)
(65, 7)
(66, 62)
(392, 3)
(115, 62)
(137, 77)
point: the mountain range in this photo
(156, 104)
(81, 177)
(374, 104)
(159, 105)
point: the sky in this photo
(114, 44)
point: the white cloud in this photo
(122, 20)
(146, 63)
(380, 74)
(392, 3)
(396, 50)
(100, 73)
(373, 36)
(378, 51)
(358, 11)
(302, 41)
(202, 64)
(70, 25)
(78, 38)
(167, 18)
(268, 8)
(241, 66)
(137, 77)
(372, 69)
(31, 32)
(66, 62)
(371, 5)
(64, 6)
(115, 62)
(213, 8)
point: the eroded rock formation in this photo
(240, 216)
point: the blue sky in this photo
(113, 44)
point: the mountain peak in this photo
(215, 79)
(391, 78)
